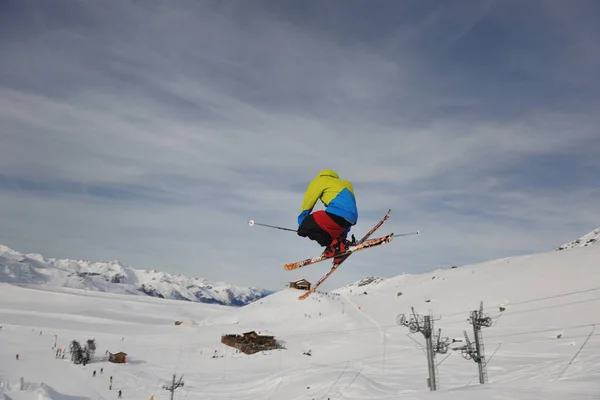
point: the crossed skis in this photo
(335, 266)
(363, 244)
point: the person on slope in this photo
(329, 227)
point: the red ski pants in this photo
(323, 227)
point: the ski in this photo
(352, 249)
(336, 265)
(299, 264)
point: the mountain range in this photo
(114, 277)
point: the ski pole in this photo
(408, 234)
(252, 223)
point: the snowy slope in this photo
(584, 241)
(112, 276)
(358, 350)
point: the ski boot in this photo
(337, 246)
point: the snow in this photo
(358, 349)
(114, 277)
(584, 241)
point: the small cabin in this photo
(117, 358)
(301, 284)
(251, 342)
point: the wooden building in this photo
(251, 342)
(117, 358)
(301, 284)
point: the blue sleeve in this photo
(302, 216)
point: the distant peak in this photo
(584, 241)
(7, 250)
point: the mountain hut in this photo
(301, 284)
(117, 358)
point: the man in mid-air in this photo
(329, 227)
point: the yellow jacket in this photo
(336, 194)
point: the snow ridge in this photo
(585, 240)
(114, 277)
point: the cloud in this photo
(151, 133)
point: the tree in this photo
(90, 349)
(76, 352)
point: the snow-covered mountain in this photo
(114, 277)
(350, 343)
(584, 241)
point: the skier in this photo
(329, 227)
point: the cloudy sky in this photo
(151, 131)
